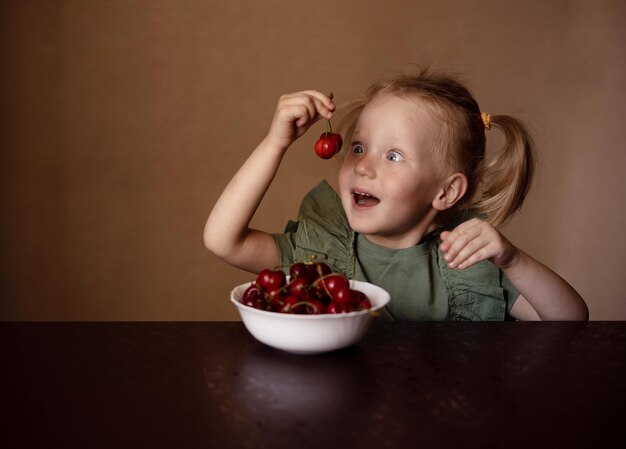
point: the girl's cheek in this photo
(344, 172)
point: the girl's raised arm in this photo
(227, 233)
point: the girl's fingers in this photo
(472, 242)
(471, 253)
(301, 114)
(304, 117)
(457, 240)
(316, 102)
(295, 113)
(466, 244)
(325, 100)
(471, 260)
(297, 105)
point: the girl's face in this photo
(390, 174)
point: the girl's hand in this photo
(474, 241)
(295, 113)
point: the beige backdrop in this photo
(121, 121)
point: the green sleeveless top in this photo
(421, 285)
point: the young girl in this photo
(417, 210)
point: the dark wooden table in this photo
(211, 385)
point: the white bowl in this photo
(310, 334)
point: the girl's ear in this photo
(452, 190)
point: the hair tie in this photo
(486, 120)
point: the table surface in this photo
(182, 384)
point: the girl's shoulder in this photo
(322, 201)
(322, 229)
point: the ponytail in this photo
(506, 178)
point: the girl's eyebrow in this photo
(354, 142)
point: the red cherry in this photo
(275, 300)
(338, 140)
(322, 269)
(252, 292)
(334, 308)
(364, 304)
(271, 280)
(318, 307)
(288, 303)
(253, 297)
(358, 296)
(313, 289)
(298, 287)
(328, 145)
(342, 295)
(250, 302)
(317, 291)
(304, 271)
(307, 307)
(335, 281)
(297, 270)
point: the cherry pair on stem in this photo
(329, 143)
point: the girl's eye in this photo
(394, 156)
(358, 148)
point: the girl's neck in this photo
(411, 238)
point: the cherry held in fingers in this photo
(329, 143)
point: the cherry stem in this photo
(306, 304)
(330, 127)
(321, 279)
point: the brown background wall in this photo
(121, 121)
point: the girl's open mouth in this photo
(363, 199)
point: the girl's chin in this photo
(361, 227)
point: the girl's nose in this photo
(364, 167)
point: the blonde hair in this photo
(497, 186)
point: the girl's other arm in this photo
(543, 293)
(551, 297)
(227, 233)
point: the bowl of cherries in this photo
(311, 310)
